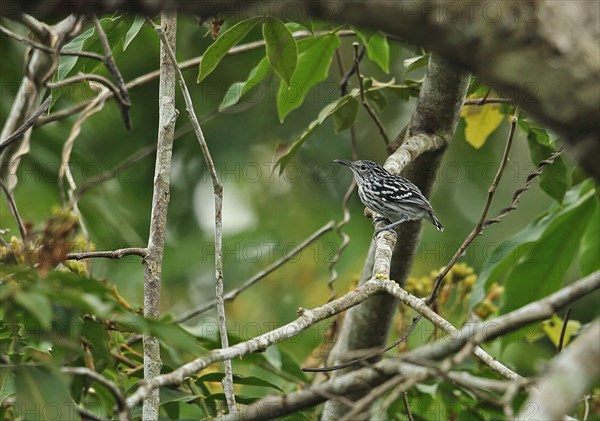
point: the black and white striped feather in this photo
(391, 196)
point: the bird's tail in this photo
(436, 222)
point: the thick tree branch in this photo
(567, 378)
(525, 50)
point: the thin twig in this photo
(563, 330)
(346, 77)
(483, 101)
(231, 295)
(111, 254)
(529, 181)
(409, 414)
(112, 387)
(111, 65)
(94, 77)
(481, 222)
(27, 124)
(15, 212)
(45, 48)
(365, 103)
(88, 415)
(218, 198)
(346, 215)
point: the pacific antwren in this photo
(391, 196)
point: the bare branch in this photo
(364, 101)
(37, 45)
(481, 222)
(484, 101)
(113, 254)
(306, 319)
(26, 125)
(111, 65)
(12, 205)
(90, 76)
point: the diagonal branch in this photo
(366, 379)
(12, 205)
(481, 222)
(306, 319)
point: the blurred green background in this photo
(265, 215)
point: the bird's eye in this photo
(363, 167)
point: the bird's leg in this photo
(389, 227)
(379, 218)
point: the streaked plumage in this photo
(391, 196)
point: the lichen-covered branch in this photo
(160, 201)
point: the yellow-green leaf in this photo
(480, 122)
(553, 327)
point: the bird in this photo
(391, 196)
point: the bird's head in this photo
(363, 168)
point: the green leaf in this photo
(589, 252)
(137, 24)
(281, 47)
(346, 115)
(218, 49)
(553, 180)
(87, 41)
(525, 245)
(378, 51)
(41, 393)
(554, 326)
(237, 90)
(416, 62)
(543, 269)
(291, 366)
(313, 67)
(37, 305)
(332, 110)
(363, 34)
(377, 98)
(67, 63)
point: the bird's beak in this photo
(343, 162)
